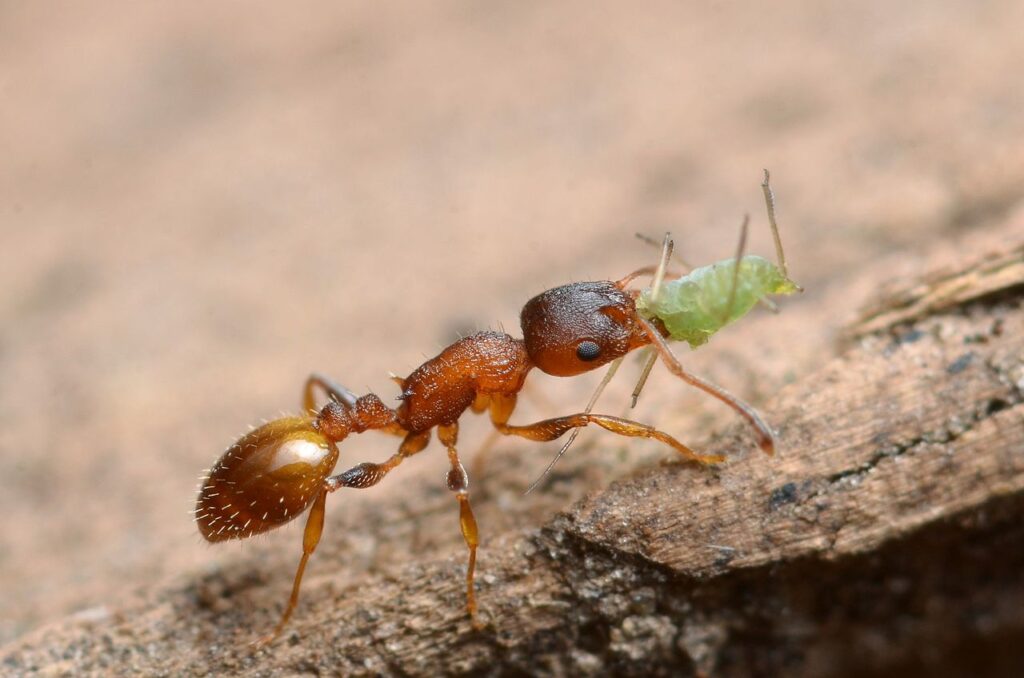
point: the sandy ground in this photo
(199, 206)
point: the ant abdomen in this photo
(268, 477)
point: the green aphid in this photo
(694, 307)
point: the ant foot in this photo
(701, 459)
(264, 641)
(475, 620)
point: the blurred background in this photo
(200, 204)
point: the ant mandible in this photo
(275, 472)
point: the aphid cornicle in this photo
(274, 473)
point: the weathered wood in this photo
(887, 534)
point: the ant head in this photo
(574, 328)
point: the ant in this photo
(275, 472)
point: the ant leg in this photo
(480, 403)
(623, 283)
(766, 439)
(458, 482)
(550, 429)
(334, 390)
(369, 474)
(310, 539)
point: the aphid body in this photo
(695, 306)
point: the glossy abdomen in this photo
(268, 477)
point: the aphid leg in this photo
(659, 275)
(550, 429)
(333, 390)
(458, 482)
(369, 474)
(740, 248)
(310, 539)
(659, 271)
(649, 360)
(766, 439)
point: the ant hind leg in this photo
(310, 539)
(334, 391)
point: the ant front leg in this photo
(458, 482)
(550, 429)
(766, 439)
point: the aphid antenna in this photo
(769, 201)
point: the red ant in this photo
(275, 472)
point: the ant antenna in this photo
(736, 270)
(612, 369)
(667, 246)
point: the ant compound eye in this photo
(588, 351)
